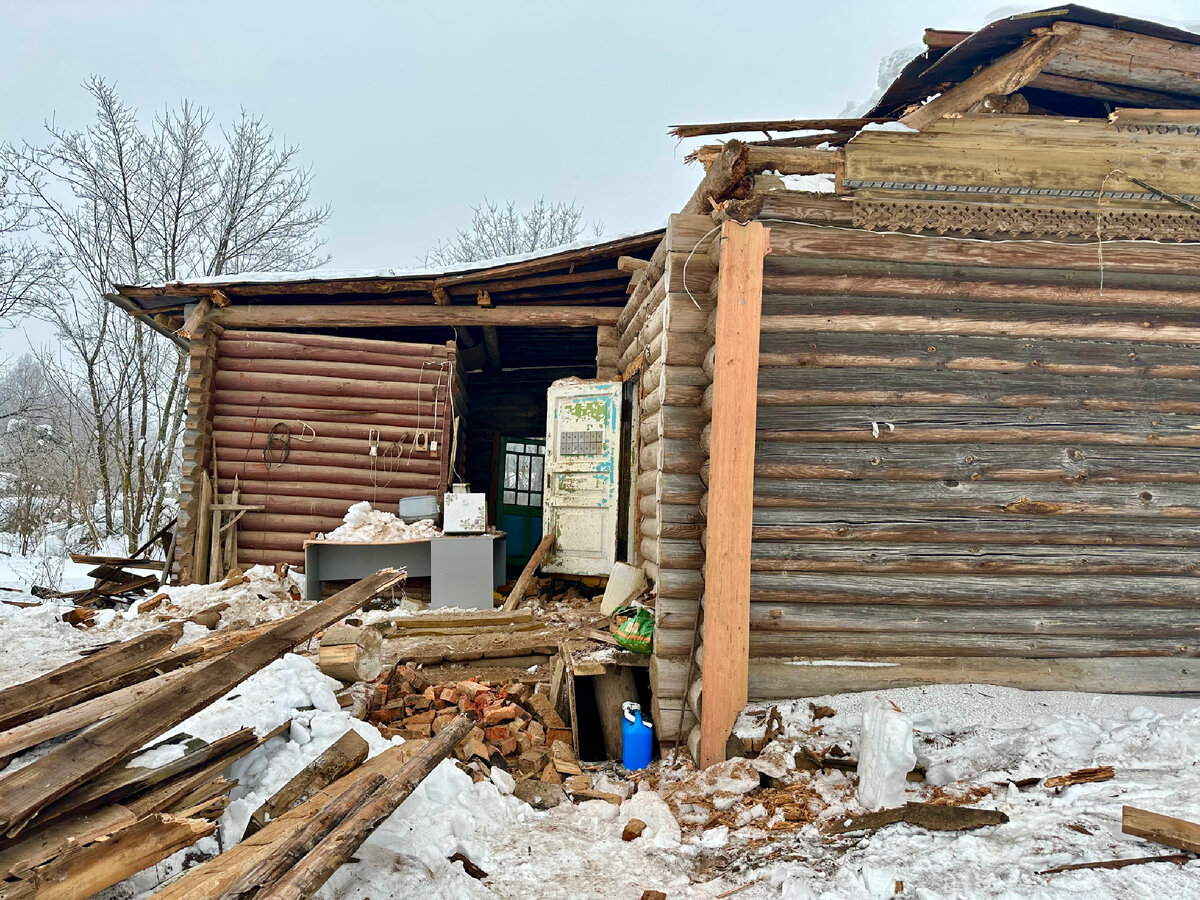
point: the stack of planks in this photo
(80, 817)
(330, 400)
(662, 331)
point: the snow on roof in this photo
(329, 274)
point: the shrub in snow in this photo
(885, 754)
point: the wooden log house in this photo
(935, 421)
(308, 393)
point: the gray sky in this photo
(409, 112)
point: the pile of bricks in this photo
(516, 729)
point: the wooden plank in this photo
(77, 681)
(1009, 73)
(689, 131)
(727, 583)
(33, 851)
(527, 574)
(1125, 57)
(83, 871)
(27, 791)
(350, 315)
(1167, 830)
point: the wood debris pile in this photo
(515, 729)
(79, 817)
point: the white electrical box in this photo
(464, 513)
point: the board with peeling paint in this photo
(583, 427)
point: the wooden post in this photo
(731, 484)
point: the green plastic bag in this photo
(633, 627)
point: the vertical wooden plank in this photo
(731, 484)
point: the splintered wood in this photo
(79, 819)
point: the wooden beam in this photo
(29, 790)
(688, 131)
(1009, 73)
(195, 319)
(440, 297)
(518, 592)
(784, 160)
(306, 877)
(1123, 57)
(483, 299)
(731, 484)
(369, 316)
(491, 341)
(1166, 830)
(631, 264)
(1112, 93)
(220, 299)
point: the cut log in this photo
(351, 654)
(932, 816)
(27, 854)
(1080, 776)
(518, 592)
(306, 877)
(341, 757)
(31, 789)
(76, 682)
(1178, 833)
(291, 851)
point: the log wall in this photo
(975, 461)
(662, 329)
(331, 391)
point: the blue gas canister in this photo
(636, 737)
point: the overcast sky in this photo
(410, 112)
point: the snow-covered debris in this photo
(363, 523)
(885, 754)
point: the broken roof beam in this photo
(350, 315)
(766, 125)
(1126, 58)
(784, 160)
(1111, 93)
(1011, 72)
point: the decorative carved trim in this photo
(943, 216)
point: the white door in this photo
(583, 436)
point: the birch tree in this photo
(132, 200)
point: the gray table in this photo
(463, 569)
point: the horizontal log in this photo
(252, 556)
(262, 539)
(680, 584)
(237, 447)
(971, 559)
(429, 391)
(250, 470)
(273, 520)
(304, 449)
(981, 291)
(878, 387)
(1178, 501)
(680, 554)
(782, 679)
(343, 430)
(351, 407)
(262, 492)
(976, 590)
(806, 525)
(427, 373)
(971, 425)
(242, 351)
(1050, 356)
(348, 315)
(1061, 621)
(344, 343)
(851, 645)
(938, 462)
(1119, 256)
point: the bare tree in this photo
(502, 230)
(127, 202)
(24, 266)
